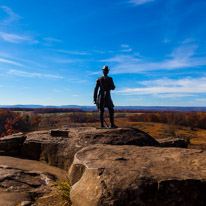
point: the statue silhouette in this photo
(103, 99)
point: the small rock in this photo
(59, 133)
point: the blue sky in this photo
(52, 51)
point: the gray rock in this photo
(59, 151)
(131, 175)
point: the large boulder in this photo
(132, 175)
(58, 147)
(11, 145)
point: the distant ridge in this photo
(89, 108)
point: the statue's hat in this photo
(105, 68)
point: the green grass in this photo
(64, 188)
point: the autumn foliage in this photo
(11, 122)
(77, 117)
(190, 119)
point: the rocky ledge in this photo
(11, 145)
(131, 175)
(123, 166)
(58, 147)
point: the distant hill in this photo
(89, 108)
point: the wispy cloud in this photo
(126, 48)
(201, 99)
(50, 39)
(77, 80)
(11, 15)
(57, 90)
(139, 2)
(65, 60)
(169, 88)
(12, 57)
(11, 62)
(72, 52)
(181, 57)
(13, 72)
(15, 38)
(173, 96)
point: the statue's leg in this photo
(111, 114)
(102, 116)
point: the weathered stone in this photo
(173, 142)
(20, 173)
(131, 175)
(33, 183)
(11, 145)
(59, 151)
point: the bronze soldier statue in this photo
(103, 99)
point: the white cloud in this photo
(139, 2)
(188, 40)
(30, 74)
(11, 15)
(56, 90)
(169, 88)
(181, 57)
(166, 40)
(125, 46)
(72, 52)
(11, 62)
(15, 38)
(201, 100)
(10, 56)
(50, 39)
(174, 95)
(126, 50)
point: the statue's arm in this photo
(96, 90)
(112, 86)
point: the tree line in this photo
(189, 119)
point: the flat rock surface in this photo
(132, 175)
(23, 180)
(59, 150)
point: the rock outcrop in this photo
(131, 175)
(58, 148)
(110, 167)
(11, 145)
